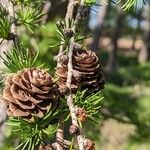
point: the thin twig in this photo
(69, 15)
(60, 133)
(70, 102)
(60, 136)
(70, 10)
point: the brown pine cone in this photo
(86, 62)
(87, 72)
(44, 147)
(73, 129)
(82, 114)
(30, 92)
(89, 144)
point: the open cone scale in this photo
(30, 92)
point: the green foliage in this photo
(128, 99)
(27, 131)
(19, 58)
(29, 2)
(46, 36)
(91, 104)
(4, 23)
(37, 132)
(65, 25)
(30, 17)
(130, 4)
(61, 26)
(138, 75)
(129, 105)
(90, 2)
(126, 6)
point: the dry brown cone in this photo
(89, 144)
(82, 114)
(44, 147)
(30, 92)
(87, 72)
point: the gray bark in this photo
(98, 31)
(112, 60)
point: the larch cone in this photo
(87, 72)
(30, 92)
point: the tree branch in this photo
(11, 10)
(70, 10)
(46, 9)
(70, 102)
(69, 15)
(60, 136)
(60, 132)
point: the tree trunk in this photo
(46, 10)
(112, 60)
(144, 54)
(58, 8)
(98, 31)
(134, 35)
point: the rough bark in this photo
(70, 102)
